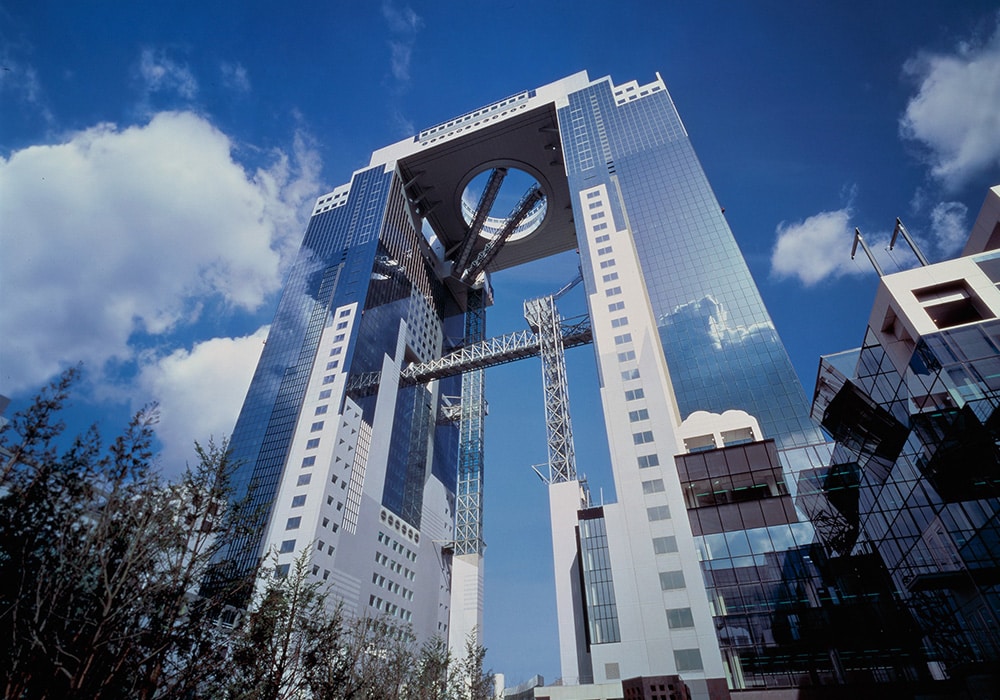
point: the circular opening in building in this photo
(508, 187)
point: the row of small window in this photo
(396, 546)
(389, 608)
(394, 566)
(296, 522)
(389, 585)
(641, 438)
(281, 571)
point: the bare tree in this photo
(100, 560)
(102, 595)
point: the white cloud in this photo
(118, 231)
(160, 73)
(949, 227)
(814, 249)
(955, 114)
(20, 81)
(199, 392)
(401, 20)
(404, 24)
(235, 77)
(399, 59)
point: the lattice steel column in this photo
(469, 510)
(543, 317)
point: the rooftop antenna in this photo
(900, 229)
(858, 238)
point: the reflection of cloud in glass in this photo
(708, 319)
(719, 363)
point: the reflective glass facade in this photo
(721, 347)
(916, 480)
(602, 617)
(785, 614)
(332, 268)
(362, 251)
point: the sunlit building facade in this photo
(361, 434)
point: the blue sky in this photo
(158, 162)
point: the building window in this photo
(281, 571)
(342, 325)
(298, 501)
(671, 580)
(287, 546)
(654, 513)
(619, 322)
(595, 205)
(309, 461)
(630, 374)
(336, 351)
(665, 545)
(318, 425)
(337, 338)
(687, 660)
(329, 379)
(605, 264)
(643, 437)
(345, 312)
(612, 291)
(304, 479)
(646, 461)
(610, 277)
(612, 672)
(600, 227)
(333, 365)
(293, 523)
(635, 416)
(312, 444)
(617, 306)
(623, 338)
(604, 251)
(652, 486)
(320, 410)
(594, 193)
(679, 618)
(596, 216)
(325, 394)
(626, 356)
(633, 394)
(602, 238)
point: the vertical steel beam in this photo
(543, 318)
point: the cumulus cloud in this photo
(815, 249)
(955, 114)
(115, 232)
(235, 77)
(160, 73)
(199, 392)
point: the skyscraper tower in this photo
(362, 432)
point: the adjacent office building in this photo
(915, 478)
(361, 434)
